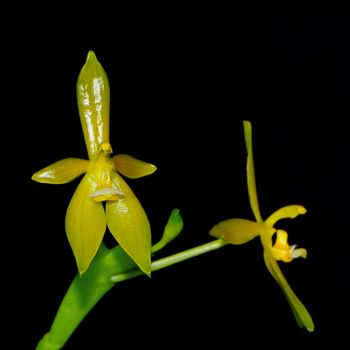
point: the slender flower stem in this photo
(172, 259)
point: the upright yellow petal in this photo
(129, 224)
(93, 103)
(287, 212)
(85, 223)
(61, 172)
(132, 167)
(253, 197)
(300, 312)
(237, 231)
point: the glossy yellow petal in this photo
(237, 231)
(93, 103)
(129, 224)
(132, 167)
(288, 212)
(300, 312)
(61, 172)
(85, 223)
(253, 197)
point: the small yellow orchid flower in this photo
(86, 218)
(239, 231)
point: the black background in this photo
(183, 77)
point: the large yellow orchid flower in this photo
(239, 231)
(86, 217)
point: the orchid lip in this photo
(108, 191)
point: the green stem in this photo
(172, 259)
(83, 294)
(107, 268)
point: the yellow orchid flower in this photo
(239, 231)
(86, 217)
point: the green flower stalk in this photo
(239, 231)
(83, 294)
(86, 218)
(108, 268)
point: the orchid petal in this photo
(237, 231)
(132, 167)
(93, 103)
(61, 172)
(129, 224)
(300, 312)
(253, 197)
(287, 212)
(85, 223)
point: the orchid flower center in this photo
(281, 250)
(102, 167)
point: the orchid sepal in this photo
(129, 224)
(237, 231)
(300, 312)
(85, 223)
(93, 103)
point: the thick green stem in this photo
(83, 294)
(107, 268)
